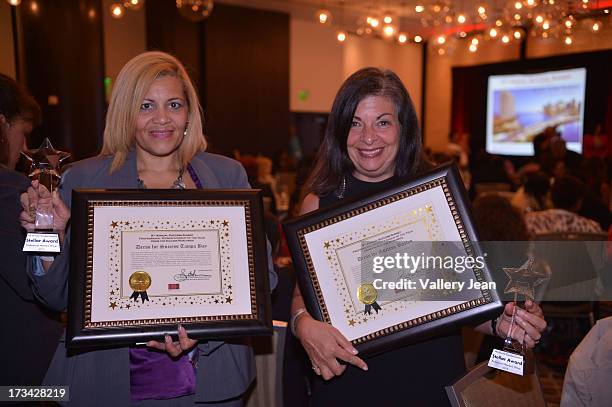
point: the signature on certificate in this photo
(190, 275)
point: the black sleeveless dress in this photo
(413, 375)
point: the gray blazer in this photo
(102, 377)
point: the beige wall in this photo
(405, 60)
(7, 53)
(315, 66)
(124, 38)
(439, 84)
(319, 64)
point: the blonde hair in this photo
(129, 90)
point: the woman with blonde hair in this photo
(153, 139)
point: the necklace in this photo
(177, 184)
(341, 189)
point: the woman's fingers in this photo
(156, 345)
(60, 207)
(347, 351)
(173, 348)
(185, 342)
(352, 359)
(326, 373)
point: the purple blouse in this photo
(156, 375)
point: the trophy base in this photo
(42, 242)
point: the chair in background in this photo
(484, 386)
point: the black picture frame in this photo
(82, 333)
(426, 326)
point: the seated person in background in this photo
(566, 194)
(533, 195)
(587, 378)
(25, 324)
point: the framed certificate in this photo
(144, 261)
(395, 267)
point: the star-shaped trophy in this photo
(45, 163)
(523, 280)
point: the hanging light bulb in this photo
(518, 5)
(133, 4)
(473, 47)
(568, 39)
(341, 36)
(474, 41)
(530, 3)
(323, 16)
(117, 10)
(402, 38)
(14, 2)
(441, 51)
(440, 39)
(493, 32)
(194, 10)
(539, 19)
(546, 25)
(596, 26)
(517, 17)
(499, 23)
(568, 22)
(388, 31)
(517, 34)
(461, 18)
(505, 38)
(387, 19)
(482, 10)
(374, 22)
(418, 39)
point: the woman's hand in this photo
(175, 349)
(529, 323)
(36, 196)
(325, 345)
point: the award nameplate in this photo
(352, 262)
(144, 261)
(45, 168)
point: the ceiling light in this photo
(117, 10)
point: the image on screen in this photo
(519, 107)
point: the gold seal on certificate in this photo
(367, 294)
(140, 281)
